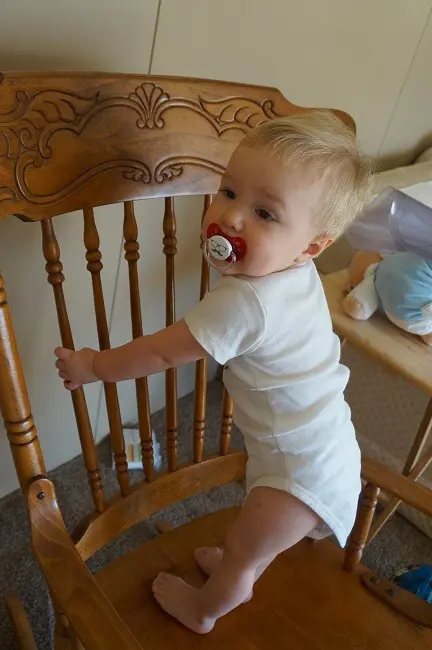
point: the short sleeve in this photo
(229, 321)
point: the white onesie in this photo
(285, 378)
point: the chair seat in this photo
(304, 601)
(401, 352)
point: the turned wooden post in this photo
(227, 423)
(132, 255)
(170, 249)
(95, 266)
(54, 269)
(14, 402)
(359, 535)
(200, 396)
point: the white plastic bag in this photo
(394, 222)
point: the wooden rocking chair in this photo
(164, 137)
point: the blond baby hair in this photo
(320, 139)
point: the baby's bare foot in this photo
(180, 600)
(208, 559)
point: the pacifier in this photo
(219, 248)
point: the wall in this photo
(353, 55)
(410, 128)
(369, 58)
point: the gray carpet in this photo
(398, 545)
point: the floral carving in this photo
(27, 128)
(223, 114)
(237, 113)
(7, 194)
(167, 171)
(31, 118)
(152, 99)
(139, 173)
(173, 166)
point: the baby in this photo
(291, 188)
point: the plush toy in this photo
(398, 278)
(399, 283)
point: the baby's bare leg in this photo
(208, 559)
(270, 522)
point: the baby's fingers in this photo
(63, 353)
(69, 385)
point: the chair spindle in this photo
(54, 269)
(95, 266)
(14, 402)
(416, 464)
(227, 423)
(359, 535)
(131, 247)
(200, 395)
(170, 249)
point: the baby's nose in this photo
(233, 219)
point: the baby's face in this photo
(271, 207)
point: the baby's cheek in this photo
(259, 257)
(265, 246)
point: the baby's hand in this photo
(75, 368)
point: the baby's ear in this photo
(315, 248)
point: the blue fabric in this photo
(404, 285)
(417, 580)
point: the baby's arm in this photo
(147, 355)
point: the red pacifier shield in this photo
(238, 244)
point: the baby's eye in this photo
(265, 215)
(227, 193)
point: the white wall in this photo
(347, 54)
(410, 125)
(370, 58)
(78, 35)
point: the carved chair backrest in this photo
(76, 141)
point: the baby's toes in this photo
(161, 584)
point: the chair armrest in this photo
(397, 485)
(90, 613)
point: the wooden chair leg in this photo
(227, 423)
(359, 535)
(420, 440)
(22, 630)
(414, 468)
